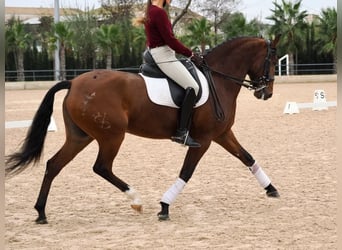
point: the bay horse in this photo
(103, 105)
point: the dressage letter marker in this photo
(291, 108)
(319, 103)
(319, 100)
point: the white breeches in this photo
(166, 59)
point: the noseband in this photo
(256, 85)
(265, 80)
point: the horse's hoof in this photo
(41, 221)
(137, 208)
(273, 194)
(163, 217)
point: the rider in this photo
(163, 47)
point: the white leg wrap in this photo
(171, 194)
(134, 196)
(260, 175)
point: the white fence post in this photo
(285, 57)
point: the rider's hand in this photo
(197, 59)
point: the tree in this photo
(84, 46)
(18, 41)
(328, 33)
(43, 36)
(236, 25)
(289, 22)
(183, 12)
(216, 11)
(199, 33)
(64, 35)
(115, 11)
(121, 12)
(108, 38)
(138, 44)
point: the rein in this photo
(249, 84)
(256, 85)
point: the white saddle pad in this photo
(159, 92)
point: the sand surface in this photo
(222, 207)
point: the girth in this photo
(151, 69)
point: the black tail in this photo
(34, 142)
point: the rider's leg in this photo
(182, 133)
(169, 64)
(173, 68)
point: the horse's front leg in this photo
(190, 162)
(230, 143)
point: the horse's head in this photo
(262, 77)
(233, 59)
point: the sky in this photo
(259, 9)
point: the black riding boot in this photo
(182, 134)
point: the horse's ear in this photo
(276, 40)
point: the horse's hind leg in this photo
(108, 149)
(53, 167)
(230, 143)
(76, 140)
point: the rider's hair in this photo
(143, 19)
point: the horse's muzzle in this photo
(263, 94)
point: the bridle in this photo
(257, 85)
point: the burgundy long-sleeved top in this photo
(159, 32)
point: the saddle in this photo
(150, 69)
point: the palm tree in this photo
(199, 33)
(84, 46)
(138, 43)
(42, 36)
(237, 25)
(64, 35)
(290, 22)
(108, 39)
(328, 33)
(18, 41)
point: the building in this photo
(32, 15)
